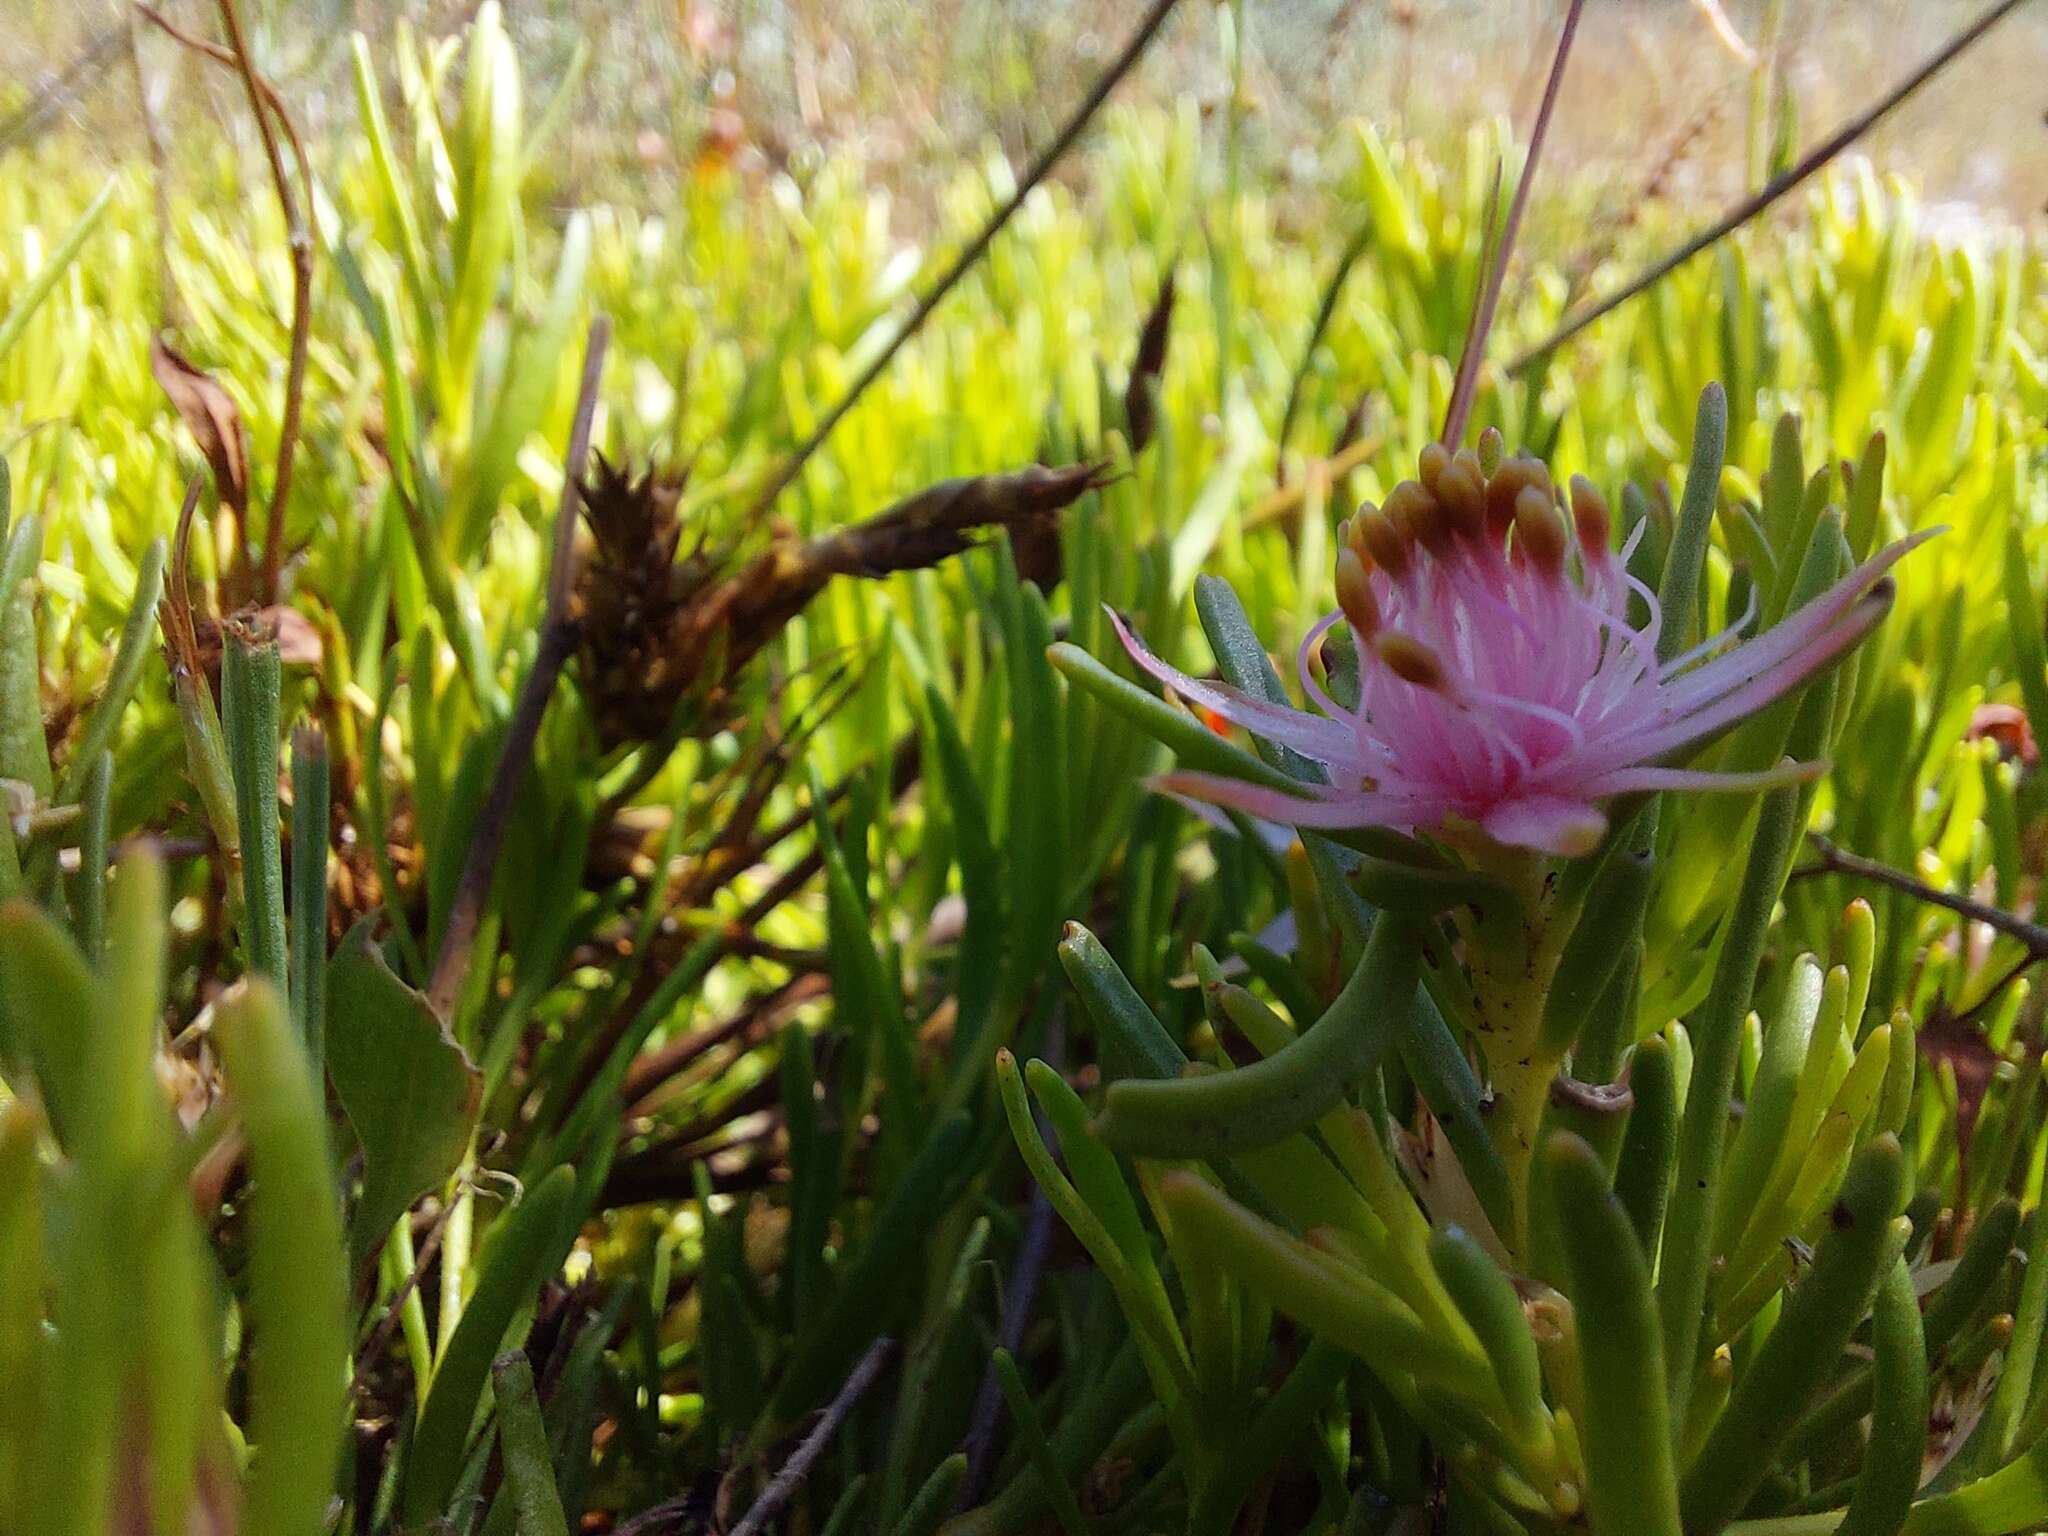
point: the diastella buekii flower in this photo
(1509, 680)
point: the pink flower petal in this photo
(1318, 805)
(1547, 823)
(1272, 834)
(1625, 781)
(1792, 634)
(1311, 735)
(1691, 729)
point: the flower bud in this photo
(1507, 482)
(1492, 449)
(1412, 509)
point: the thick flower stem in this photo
(1521, 1092)
(1514, 961)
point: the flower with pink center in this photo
(1509, 670)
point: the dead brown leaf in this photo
(1140, 411)
(1945, 1038)
(211, 416)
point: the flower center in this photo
(1492, 627)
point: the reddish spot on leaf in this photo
(2007, 725)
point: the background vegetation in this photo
(657, 1020)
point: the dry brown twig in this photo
(663, 641)
(271, 115)
(300, 240)
(785, 474)
(1467, 383)
(760, 1017)
(783, 1486)
(923, 529)
(1834, 860)
(170, 311)
(1285, 500)
(1765, 196)
(557, 643)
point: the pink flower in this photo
(1509, 670)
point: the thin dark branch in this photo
(740, 941)
(1983, 1005)
(784, 886)
(651, 1069)
(562, 558)
(1326, 310)
(394, 1310)
(1758, 201)
(557, 643)
(632, 1182)
(23, 126)
(655, 754)
(1840, 861)
(1467, 384)
(225, 57)
(599, 1047)
(783, 1486)
(267, 105)
(903, 772)
(785, 474)
(301, 243)
(170, 311)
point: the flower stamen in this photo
(1539, 531)
(1411, 661)
(1355, 596)
(1387, 544)
(1461, 491)
(1590, 516)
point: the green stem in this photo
(250, 683)
(310, 791)
(1717, 1039)
(1515, 956)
